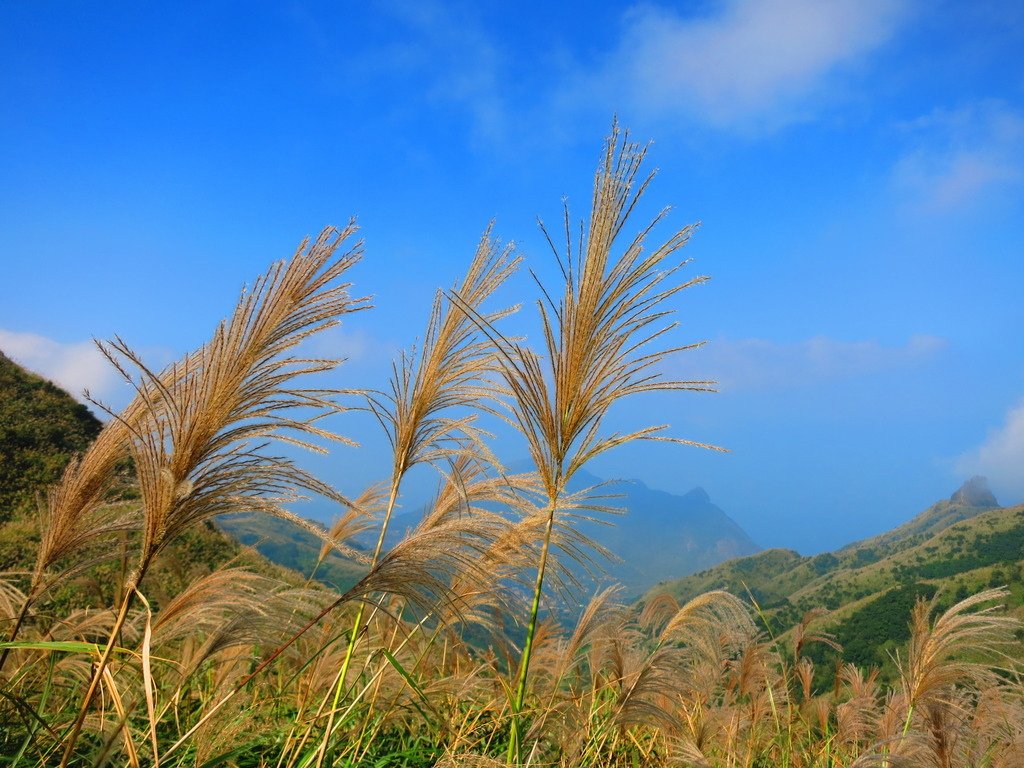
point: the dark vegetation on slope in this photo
(41, 429)
(870, 634)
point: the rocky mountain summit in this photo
(975, 493)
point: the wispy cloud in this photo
(464, 60)
(366, 358)
(76, 367)
(960, 155)
(1001, 456)
(760, 63)
(761, 364)
(450, 56)
(736, 64)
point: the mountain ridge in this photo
(948, 551)
(692, 532)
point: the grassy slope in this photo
(284, 543)
(41, 429)
(868, 587)
(776, 574)
(871, 603)
(955, 556)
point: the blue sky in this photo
(857, 166)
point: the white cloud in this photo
(760, 364)
(75, 367)
(761, 62)
(1001, 456)
(960, 155)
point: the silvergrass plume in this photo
(198, 431)
(423, 413)
(602, 343)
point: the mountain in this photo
(42, 428)
(972, 498)
(975, 493)
(775, 574)
(954, 548)
(658, 536)
(662, 534)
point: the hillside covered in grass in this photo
(952, 549)
(42, 428)
(292, 547)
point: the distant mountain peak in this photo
(698, 494)
(975, 493)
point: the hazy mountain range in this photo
(657, 536)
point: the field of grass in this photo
(442, 652)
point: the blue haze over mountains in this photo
(658, 536)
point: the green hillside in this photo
(776, 574)
(41, 429)
(954, 548)
(283, 543)
(869, 604)
(971, 499)
(769, 575)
